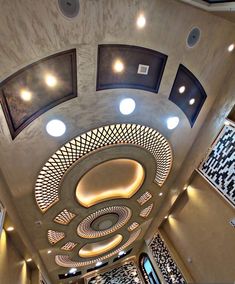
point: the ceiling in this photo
(46, 177)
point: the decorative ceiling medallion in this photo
(85, 229)
(64, 217)
(133, 226)
(144, 198)
(101, 247)
(65, 261)
(47, 184)
(146, 211)
(54, 236)
(118, 178)
(38, 87)
(69, 246)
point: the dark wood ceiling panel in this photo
(61, 68)
(218, 1)
(194, 94)
(131, 57)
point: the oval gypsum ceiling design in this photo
(48, 182)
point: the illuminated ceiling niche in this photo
(95, 249)
(118, 178)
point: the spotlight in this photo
(141, 21)
(49, 251)
(118, 66)
(55, 128)
(172, 122)
(192, 101)
(99, 263)
(166, 217)
(121, 253)
(51, 80)
(231, 47)
(25, 95)
(127, 106)
(182, 89)
(72, 270)
(160, 194)
(29, 260)
(10, 229)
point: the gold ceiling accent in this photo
(118, 178)
(133, 226)
(85, 230)
(98, 248)
(64, 217)
(146, 211)
(54, 236)
(69, 246)
(65, 261)
(144, 198)
(48, 181)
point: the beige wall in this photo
(13, 269)
(199, 229)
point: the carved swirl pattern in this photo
(48, 181)
(84, 229)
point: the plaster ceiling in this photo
(32, 30)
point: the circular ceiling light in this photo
(49, 251)
(121, 253)
(231, 47)
(69, 8)
(193, 37)
(172, 122)
(51, 80)
(160, 194)
(72, 270)
(141, 21)
(192, 101)
(118, 66)
(29, 260)
(99, 263)
(182, 89)
(55, 128)
(25, 95)
(127, 106)
(10, 229)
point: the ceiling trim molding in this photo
(218, 7)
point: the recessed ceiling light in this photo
(72, 270)
(127, 106)
(66, 274)
(182, 89)
(231, 47)
(49, 251)
(165, 217)
(186, 187)
(121, 253)
(10, 229)
(192, 101)
(160, 194)
(55, 128)
(141, 21)
(118, 66)
(25, 95)
(99, 263)
(51, 80)
(172, 122)
(29, 260)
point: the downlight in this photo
(127, 106)
(69, 8)
(55, 128)
(172, 122)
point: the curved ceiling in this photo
(96, 185)
(96, 130)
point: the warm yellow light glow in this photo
(118, 66)
(95, 249)
(25, 95)
(141, 21)
(182, 89)
(118, 178)
(160, 194)
(29, 260)
(231, 47)
(51, 80)
(10, 229)
(49, 251)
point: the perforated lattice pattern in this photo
(84, 229)
(69, 246)
(144, 198)
(47, 185)
(146, 211)
(54, 236)
(65, 217)
(64, 260)
(133, 226)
